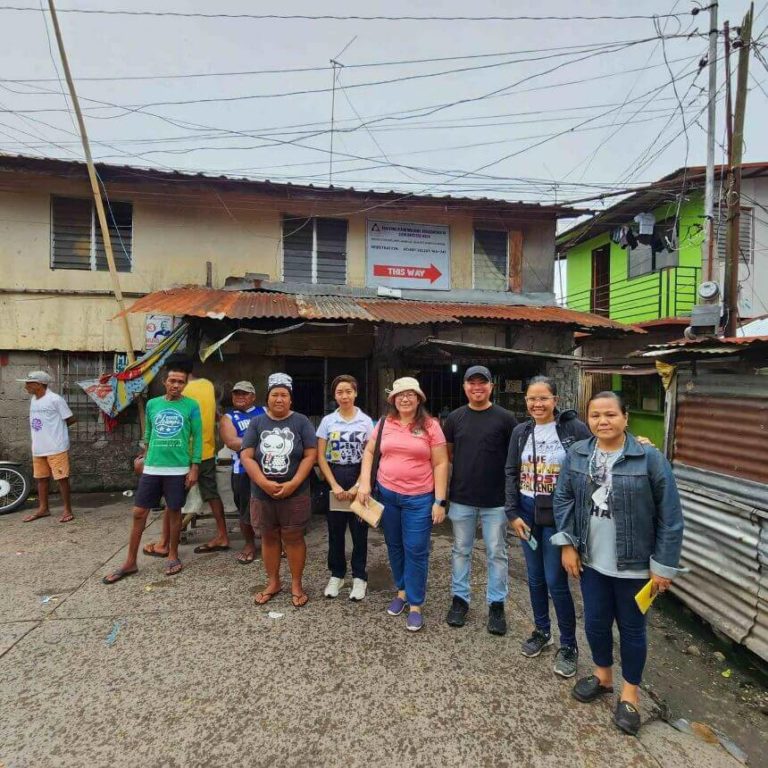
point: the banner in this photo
(114, 392)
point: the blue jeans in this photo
(407, 526)
(608, 599)
(547, 577)
(464, 521)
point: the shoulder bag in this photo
(371, 512)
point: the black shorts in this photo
(154, 487)
(241, 490)
(206, 480)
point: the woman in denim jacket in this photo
(619, 522)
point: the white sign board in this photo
(159, 328)
(400, 254)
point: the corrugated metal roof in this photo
(706, 346)
(198, 301)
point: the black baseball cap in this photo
(477, 370)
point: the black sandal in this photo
(590, 688)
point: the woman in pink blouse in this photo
(411, 483)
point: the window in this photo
(314, 250)
(659, 250)
(643, 393)
(746, 250)
(490, 260)
(76, 241)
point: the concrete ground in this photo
(186, 671)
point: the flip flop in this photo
(149, 549)
(117, 575)
(299, 604)
(245, 559)
(205, 549)
(67, 518)
(31, 518)
(268, 595)
(173, 567)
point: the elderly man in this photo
(232, 428)
(49, 420)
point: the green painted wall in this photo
(645, 297)
(650, 425)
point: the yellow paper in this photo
(645, 597)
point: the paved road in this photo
(198, 676)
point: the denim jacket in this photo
(644, 501)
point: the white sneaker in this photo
(359, 588)
(334, 585)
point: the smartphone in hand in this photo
(531, 541)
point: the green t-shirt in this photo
(174, 436)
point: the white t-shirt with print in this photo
(47, 423)
(346, 439)
(550, 455)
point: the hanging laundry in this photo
(645, 222)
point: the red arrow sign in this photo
(430, 273)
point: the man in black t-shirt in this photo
(478, 437)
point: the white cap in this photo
(36, 377)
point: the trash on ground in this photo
(711, 736)
(45, 599)
(726, 673)
(112, 636)
(275, 615)
(128, 494)
(148, 587)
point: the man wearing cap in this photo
(49, 419)
(478, 436)
(232, 428)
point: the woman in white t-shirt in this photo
(341, 439)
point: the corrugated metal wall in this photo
(720, 459)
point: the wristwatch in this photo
(441, 502)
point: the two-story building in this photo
(641, 261)
(314, 281)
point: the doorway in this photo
(600, 295)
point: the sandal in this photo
(297, 600)
(204, 549)
(117, 575)
(67, 517)
(151, 551)
(35, 516)
(244, 559)
(267, 595)
(173, 567)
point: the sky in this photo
(535, 110)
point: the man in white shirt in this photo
(49, 420)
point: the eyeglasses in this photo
(406, 396)
(538, 399)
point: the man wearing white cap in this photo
(49, 419)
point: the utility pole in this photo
(731, 287)
(99, 203)
(709, 192)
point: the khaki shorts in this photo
(56, 466)
(206, 480)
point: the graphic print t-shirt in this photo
(47, 423)
(279, 448)
(241, 420)
(174, 436)
(346, 440)
(550, 455)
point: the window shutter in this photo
(71, 221)
(297, 249)
(331, 251)
(120, 222)
(745, 234)
(490, 260)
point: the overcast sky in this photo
(605, 115)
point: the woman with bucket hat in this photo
(411, 482)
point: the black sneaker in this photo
(497, 622)
(457, 615)
(627, 718)
(536, 643)
(566, 661)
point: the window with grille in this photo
(490, 260)
(314, 250)
(746, 249)
(76, 241)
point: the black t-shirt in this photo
(279, 448)
(480, 441)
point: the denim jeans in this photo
(407, 526)
(608, 599)
(547, 577)
(494, 522)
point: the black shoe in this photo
(627, 718)
(535, 644)
(457, 615)
(497, 622)
(589, 688)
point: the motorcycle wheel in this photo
(14, 489)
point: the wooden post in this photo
(99, 203)
(515, 260)
(734, 192)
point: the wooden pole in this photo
(734, 192)
(709, 194)
(99, 203)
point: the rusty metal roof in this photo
(197, 301)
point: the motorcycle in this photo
(15, 486)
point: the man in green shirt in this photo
(173, 448)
